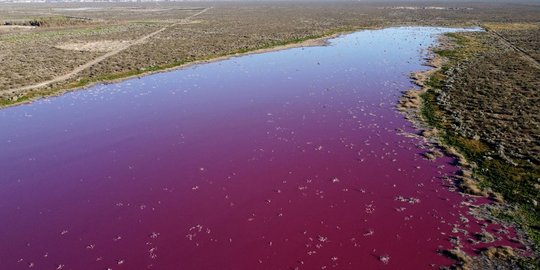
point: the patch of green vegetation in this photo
(457, 38)
(436, 80)
(446, 53)
(516, 182)
(6, 102)
(472, 149)
(521, 216)
(56, 20)
(429, 110)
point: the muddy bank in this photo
(416, 105)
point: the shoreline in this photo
(76, 85)
(55, 92)
(411, 105)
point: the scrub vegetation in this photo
(38, 42)
(484, 102)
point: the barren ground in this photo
(59, 46)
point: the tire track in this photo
(105, 56)
(508, 43)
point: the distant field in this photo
(41, 42)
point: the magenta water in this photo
(284, 160)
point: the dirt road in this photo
(508, 43)
(105, 56)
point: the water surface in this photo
(284, 160)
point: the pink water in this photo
(282, 160)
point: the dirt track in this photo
(105, 56)
(508, 43)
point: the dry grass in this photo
(512, 26)
(33, 55)
(485, 102)
(493, 100)
(93, 46)
(526, 36)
